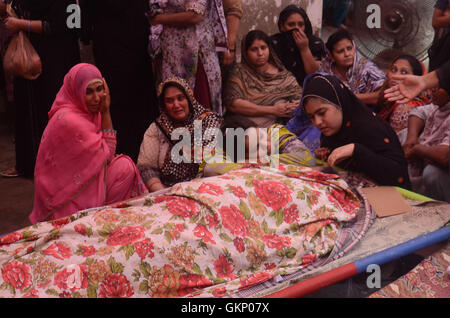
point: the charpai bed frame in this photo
(360, 265)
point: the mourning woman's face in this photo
(399, 67)
(95, 93)
(325, 116)
(294, 21)
(258, 53)
(176, 104)
(343, 53)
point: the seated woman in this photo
(397, 113)
(352, 137)
(260, 88)
(427, 147)
(76, 166)
(179, 109)
(361, 75)
(296, 46)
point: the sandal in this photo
(10, 173)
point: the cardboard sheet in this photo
(386, 201)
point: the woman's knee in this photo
(431, 175)
(436, 182)
(121, 167)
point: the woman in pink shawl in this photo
(76, 166)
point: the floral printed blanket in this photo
(210, 237)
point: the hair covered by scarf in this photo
(171, 171)
(248, 83)
(332, 90)
(377, 151)
(290, 10)
(72, 150)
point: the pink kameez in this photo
(76, 166)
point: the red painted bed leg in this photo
(315, 283)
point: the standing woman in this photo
(296, 46)
(352, 136)
(192, 30)
(45, 24)
(119, 31)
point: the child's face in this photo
(325, 116)
(440, 97)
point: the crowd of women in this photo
(324, 99)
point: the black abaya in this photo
(58, 49)
(120, 30)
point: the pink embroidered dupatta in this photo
(73, 154)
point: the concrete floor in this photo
(16, 194)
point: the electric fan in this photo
(405, 27)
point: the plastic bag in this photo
(21, 59)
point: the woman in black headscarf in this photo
(352, 136)
(296, 46)
(45, 24)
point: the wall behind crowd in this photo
(263, 15)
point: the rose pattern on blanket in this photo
(209, 237)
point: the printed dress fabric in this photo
(210, 237)
(363, 77)
(397, 113)
(429, 279)
(435, 132)
(183, 47)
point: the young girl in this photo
(361, 75)
(352, 136)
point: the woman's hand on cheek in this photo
(340, 154)
(106, 100)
